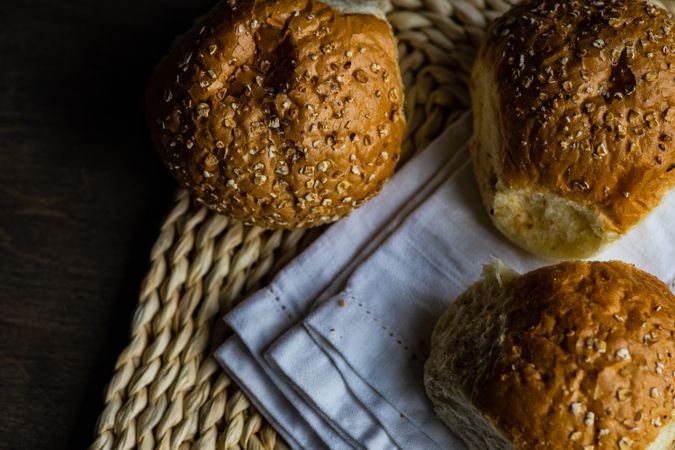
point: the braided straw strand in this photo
(167, 391)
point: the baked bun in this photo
(573, 356)
(282, 114)
(574, 114)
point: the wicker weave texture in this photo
(167, 391)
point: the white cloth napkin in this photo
(332, 351)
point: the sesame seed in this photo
(355, 170)
(651, 120)
(203, 110)
(598, 43)
(649, 76)
(589, 420)
(619, 318)
(601, 150)
(656, 422)
(623, 354)
(375, 67)
(323, 166)
(614, 22)
(282, 168)
(599, 345)
(654, 393)
(212, 49)
(622, 393)
(342, 186)
(630, 52)
(575, 435)
(625, 443)
(603, 432)
(575, 407)
(329, 48)
(360, 76)
(253, 24)
(581, 185)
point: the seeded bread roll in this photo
(282, 114)
(574, 111)
(579, 355)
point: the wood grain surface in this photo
(82, 194)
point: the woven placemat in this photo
(167, 391)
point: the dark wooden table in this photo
(82, 195)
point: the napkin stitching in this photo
(279, 303)
(387, 329)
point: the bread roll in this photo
(282, 114)
(574, 113)
(573, 356)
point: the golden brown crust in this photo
(282, 114)
(582, 356)
(587, 102)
